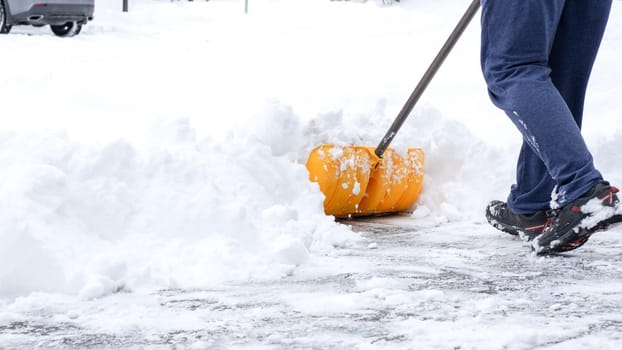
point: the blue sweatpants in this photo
(536, 57)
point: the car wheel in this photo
(4, 28)
(66, 30)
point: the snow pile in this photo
(181, 213)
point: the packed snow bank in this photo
(184, 212)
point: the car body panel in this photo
(54, 12)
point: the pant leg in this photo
(533, 187)
(574, 50)
(518, 37)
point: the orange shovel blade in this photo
(355, 182)
(343, 174)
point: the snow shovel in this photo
(365, 181)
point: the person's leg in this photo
(517, 38)
(580, 31)
(533, 187)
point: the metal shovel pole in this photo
(427, 77)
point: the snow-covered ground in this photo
(153, 192)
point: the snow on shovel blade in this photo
(355, 182)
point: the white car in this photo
(65, 17)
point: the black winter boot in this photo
(526, 226)
(573, 224)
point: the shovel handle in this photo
(427, 77)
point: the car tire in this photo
(4, 27)
(68, 29)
